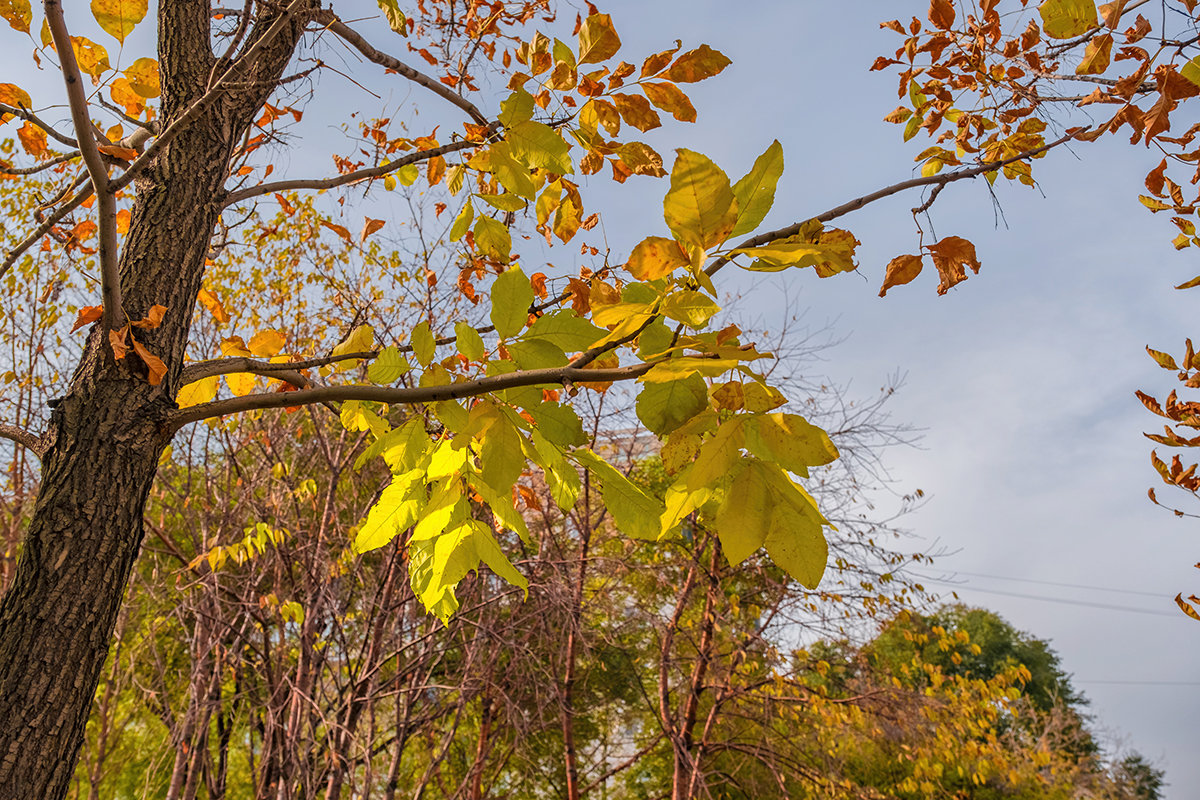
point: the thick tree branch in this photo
(896, 188)
(97, 167)
(350, 177)
(352, 37)
(23, 437)
(406, 396)
(201, 104)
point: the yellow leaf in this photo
(92, 58)
(241, 383)
(234, 346)
(395, 17)
(123, 94)
(1065, 19)
(267, 343)
(598, 39)
(17, 13)
(700, 208)
(143, 77)
(197, 392)
(655, 257)
(119, 17)
(1096, 56)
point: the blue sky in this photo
(1022, 378)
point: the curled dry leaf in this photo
(152, 319)
(154, 364)
(951, 257)
(901, 270)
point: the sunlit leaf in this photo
(1066, 19)
(700, 208)
(755, 192)
(119, 17)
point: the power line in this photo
(1142, 683)
(1062, 600)
(1158, 595)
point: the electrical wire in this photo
(1158, 595)
(1062, 600)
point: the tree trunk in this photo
(107, 433)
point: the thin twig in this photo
(352, 37)
(888, 191)
(26, 114)
(350, 177)
(54, 162)
(41, 230)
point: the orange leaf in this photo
(116, 339)
(951, 257)
(123, 217)
(369, 227)
(33, 139)
(1186, 608)
(153, 317)
(116, 151)
(157, 368)
(671, 98)
(87, 314)
(213, 303)
(338, 229)
(941, 14)
(900, 270)
(284, 204)
(636, 111)
(696, 65)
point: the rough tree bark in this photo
(107, 433)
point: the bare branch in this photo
(888, 191)
(225, 366)
(353, 38)
(422, 394)
(26, 114)
(23, 437)
(54, 162)
(41, 230)
(350, 177)
(97, 167)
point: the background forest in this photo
(270, 648)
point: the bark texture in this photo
(107, 433)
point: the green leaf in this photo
(447, 506)
(397, 509)
(402, 448)
(1066, 19)
(395, 17)
(358, 417)
(634, 512)
(536, 354)
(388, 366)
(663, 407)
(718, 456)
(422, 343)
(693, 309)
(516, 109)
(565, 329)
(561, 477)
(700, 207)
(470, 343)
(511, 173)
(764, 507)
(500, 456)
(755, 193)
(1191, 70)
(537, 145)
(493, 238)
(505, 513)
(462, 223)
(598, 39)
(558, 423)
(512, 295)
(488, 551)
(790, 441)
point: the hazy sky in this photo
(1022, 377)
